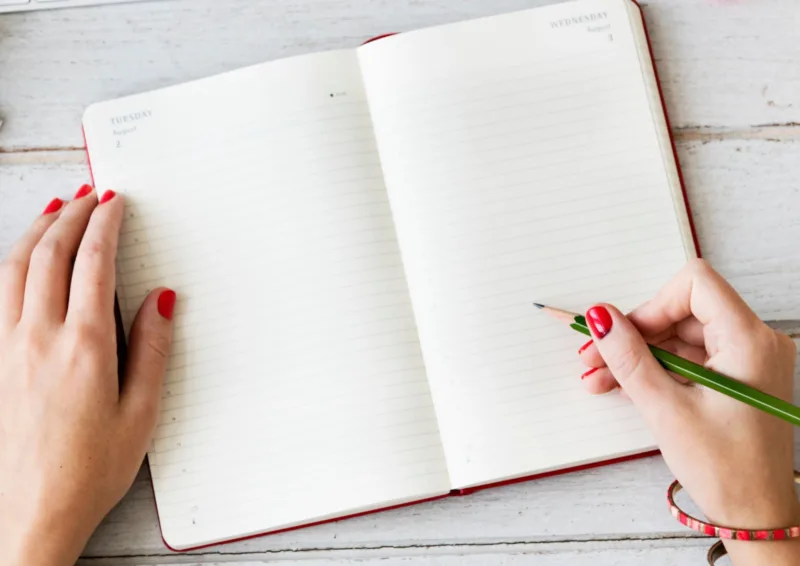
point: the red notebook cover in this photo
(458, 492)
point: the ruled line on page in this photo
(293, 322)
(515, 176)
(504, 108)
(495, 81)
(414, 393)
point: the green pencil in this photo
(698, 374)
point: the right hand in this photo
(735, 461)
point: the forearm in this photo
(41, 544)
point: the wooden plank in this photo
(624, 501)
(789, 327)
(726, 63)
(580, 506)
(743, 216)
(729, 73)
(618, 553)
(741, 191)
(744, 198)
(722, 65)
(743, 194)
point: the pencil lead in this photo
(538, 305)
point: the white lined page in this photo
(296, 390)
(523, 163)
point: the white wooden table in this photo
(730, 71)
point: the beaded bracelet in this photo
(726, 533)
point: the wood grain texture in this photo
(616, 553)
(730, 78)
(730, 183)
(727, 65)
(743, 194)
(618, 510)
(744, 197)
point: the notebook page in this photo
(296, 390)
(523, 164)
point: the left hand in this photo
(71, 441)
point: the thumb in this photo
(629, 359)
(148, 350)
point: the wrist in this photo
(756, 530)
(40, 543)
(770, 511)
(766, 516)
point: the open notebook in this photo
(356, 238)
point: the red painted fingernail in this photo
(599, 320)
(588, 373)
(54, 206)
(83, 191)
(166, 303)
(582, 348)
(107, 196)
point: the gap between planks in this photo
(407, 550)
(779, 132)
(789, 327)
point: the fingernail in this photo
(107, 196)
(599, 320)
(83, 191)
(166, 303)
(54, 206)
(588, 373)
(582, 348)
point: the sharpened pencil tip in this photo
(538, 305)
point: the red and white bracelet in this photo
(726, 533)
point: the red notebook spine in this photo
(377, 37)
(469, 490)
